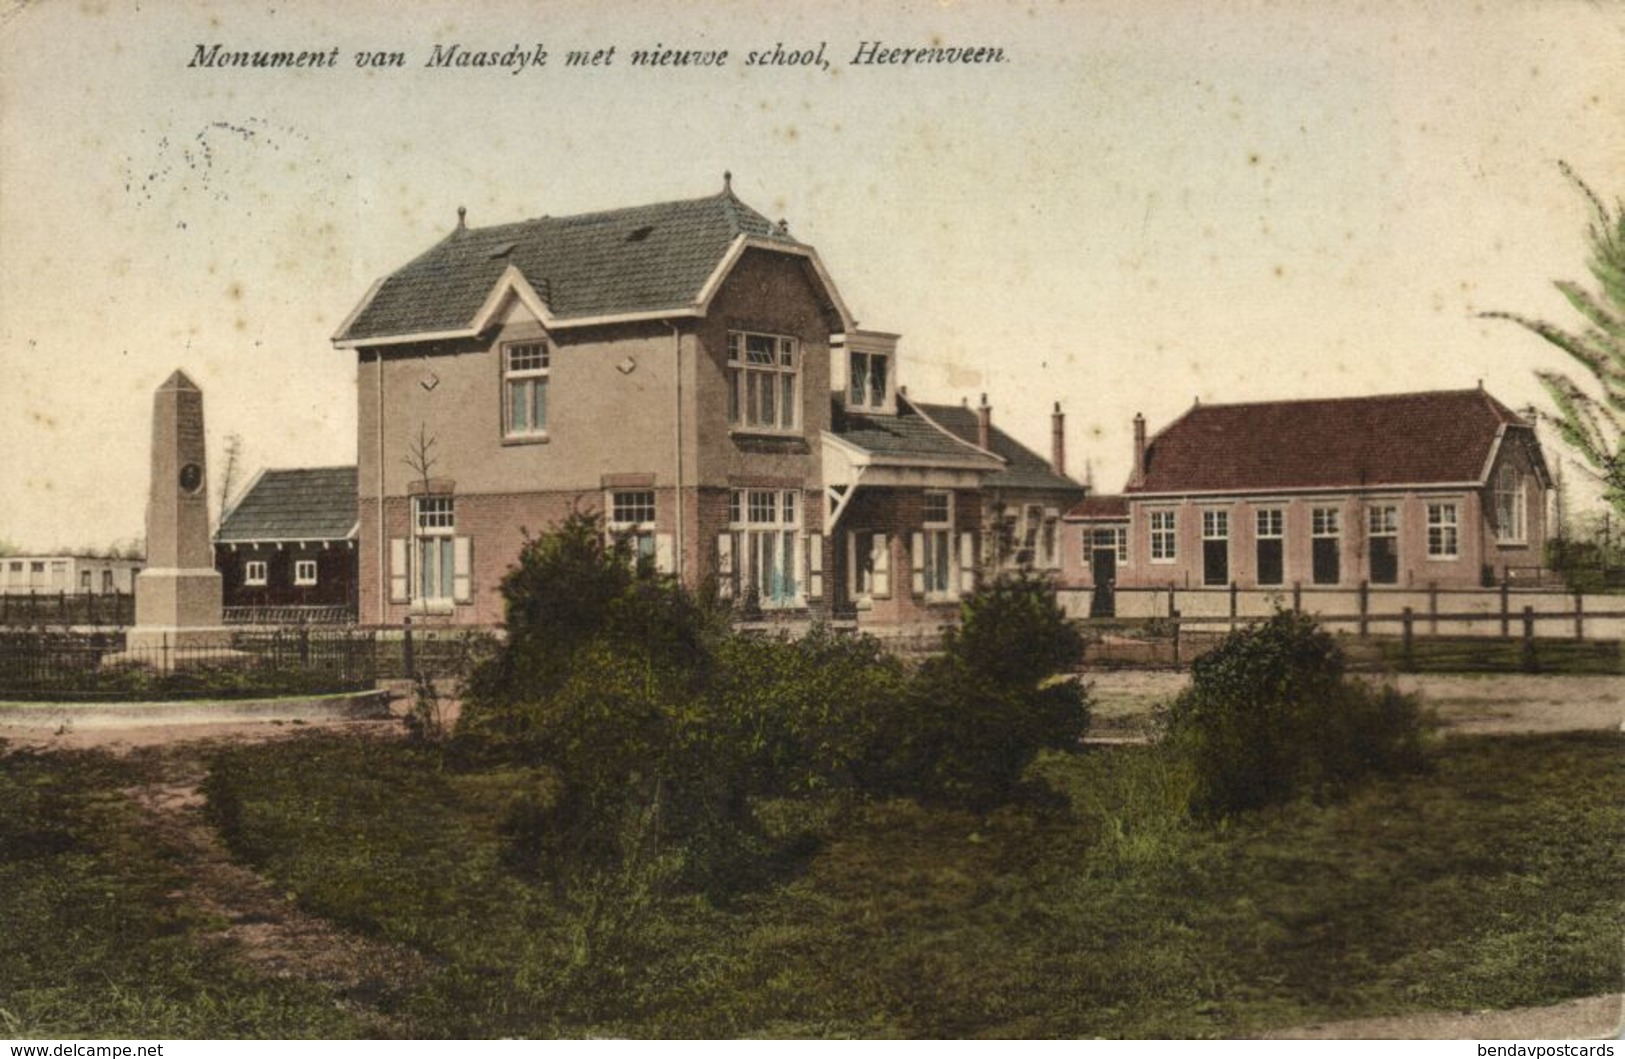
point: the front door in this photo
(1103, 564)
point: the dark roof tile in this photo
(643, 258)
(1348, 442)
(1099, 508)
(1023, 468)
(906, 435)
(307, 503)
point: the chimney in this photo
(1138, 478)
(1057, 440)
(984, 422)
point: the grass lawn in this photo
(94, 942)
(1492, 882)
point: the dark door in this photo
(1103, 564)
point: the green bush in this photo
(1002, 690)
(572, 589)
(1270, 714)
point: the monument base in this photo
(167, 648)
(169, 599)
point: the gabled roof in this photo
(638, 262)
(1348, 442)
(298, 504)
(1023, 468)
(907, 437)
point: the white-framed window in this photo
(632, 517)
(1444, 541)
(765, 553)
(107, 581)
(1269, 532)
(868, 379)
(1215, 547)
(1511, 506)
(84, 580)
(36, 575)
(255, 572)
(1382, 542)
(304, 571)
(1032, 527)
(1109, 539)
(764, 381)
(933, 551)
(434, 520)
(1164, 536)
(525, 370)
(868, 566)
(1326, 545)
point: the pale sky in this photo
(1148, 203)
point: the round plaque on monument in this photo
(191, 477)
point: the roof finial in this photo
(462, 217)
(727, 181)
(784, 226)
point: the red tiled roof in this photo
(1099, 508)
(1403, 439)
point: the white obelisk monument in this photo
(178, 594)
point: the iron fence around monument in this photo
(74, 666)
(24, 609)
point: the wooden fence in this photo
(1407, 639)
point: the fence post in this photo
(1297, 595)
(1173, 617)
(1232, 606)
(1579, 615)
(1433, 606)
(407, 662)
(1530, 662)
(62, 606)
(1506, 622)
(1408, 639)
(304, 645)
(1365, 608)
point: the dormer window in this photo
(869, 376)
(871, 371)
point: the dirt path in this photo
(1588, 1019)
(262, 927)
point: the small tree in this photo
(1270, 714)
(1591, 413)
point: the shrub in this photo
(809, 714)
(1002, 690)
(1270, 714)
(570, 590)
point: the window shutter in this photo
(815, 565)
(798, 555)
(967, 563)
(917, 561)
(882, 571)
(663, 554)
(462, 560)
(399, 569)
(725, 565)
